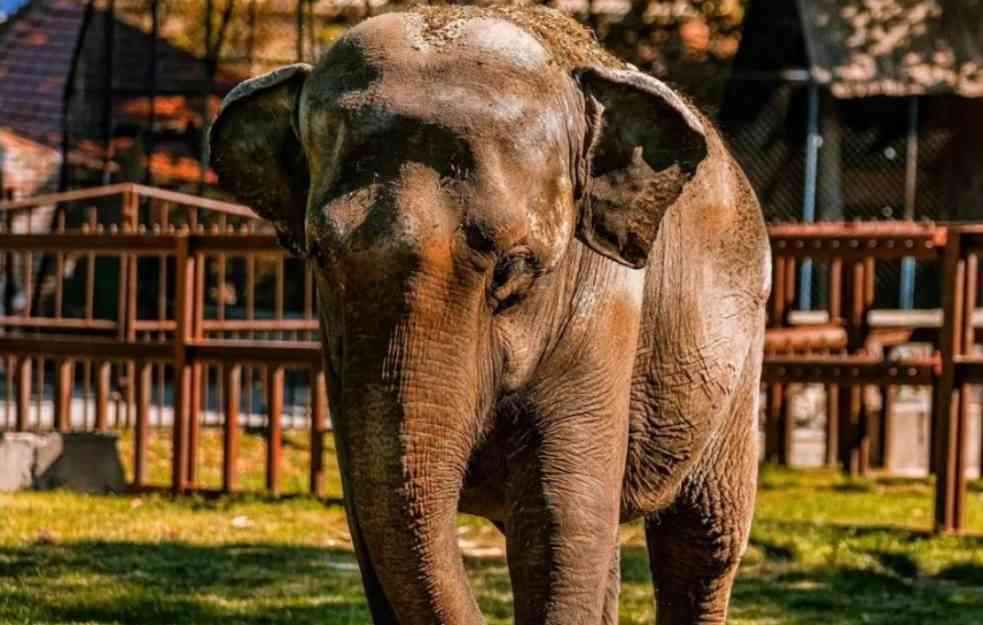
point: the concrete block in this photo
(17, 460)
(79, 461)
(83, 462)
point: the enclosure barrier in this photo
(191, 338)
(846, 349)
(75, 311)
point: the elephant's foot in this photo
(693, 564)
(699, 596)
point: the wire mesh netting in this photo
(877, 158)
(150, 74)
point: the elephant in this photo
(542, 284)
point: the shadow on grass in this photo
(176, 583)
(846, 575)
(876, 579)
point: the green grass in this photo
(824, 550)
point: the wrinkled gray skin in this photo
(542, 283)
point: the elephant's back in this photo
(570, 44)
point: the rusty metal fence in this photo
(167, 310)
(160, 309)
(844, 348)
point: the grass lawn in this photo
(824, 551)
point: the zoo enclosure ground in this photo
(824, 549)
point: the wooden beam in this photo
(274, 431)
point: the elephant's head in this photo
(444, 178)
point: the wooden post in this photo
(274, 413)
(198, 370)
(230, 457)
(64, 380)
(131, 210)
(867, 425)
(102, 396)
(122, 329)
(852, 426)
(39, 395)
(131, 333)
(23, 394)
(945, 407)
(833, 390)
(965, 390)
(775, 435)
(318, 425)
(789, 289)
(10, 364)
(888, 396)
(194, 421)
(142, 386)
(184, 299)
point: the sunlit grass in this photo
(824, 550)
(295, 460)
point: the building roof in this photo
(861, 48)
(895, 47)
(36, 48)
(37, 45)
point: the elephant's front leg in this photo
(562, 530)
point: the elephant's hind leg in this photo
(695, 546)
(693, 569)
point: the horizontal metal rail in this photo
(197, 342)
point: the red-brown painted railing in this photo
(194, 240)
(191, 340)
(845, 352)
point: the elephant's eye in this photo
(513, 275)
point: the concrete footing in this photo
(83, 462)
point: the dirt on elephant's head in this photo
(571, 44)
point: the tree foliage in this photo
(689, 42)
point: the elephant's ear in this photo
(643, 146)
(256, 152)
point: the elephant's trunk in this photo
(406, 432)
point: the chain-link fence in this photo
(148, 75)
(876, 158)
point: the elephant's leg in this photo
(693, 568)
(610, 614)
(560, 575)
(562, 528)
(695, 548)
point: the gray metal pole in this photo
(151, 143)
(809, 198)
(907, 294)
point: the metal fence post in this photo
(950, 486)
(230, 455)
(809, 199)
(318, 427)
(184, 299)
